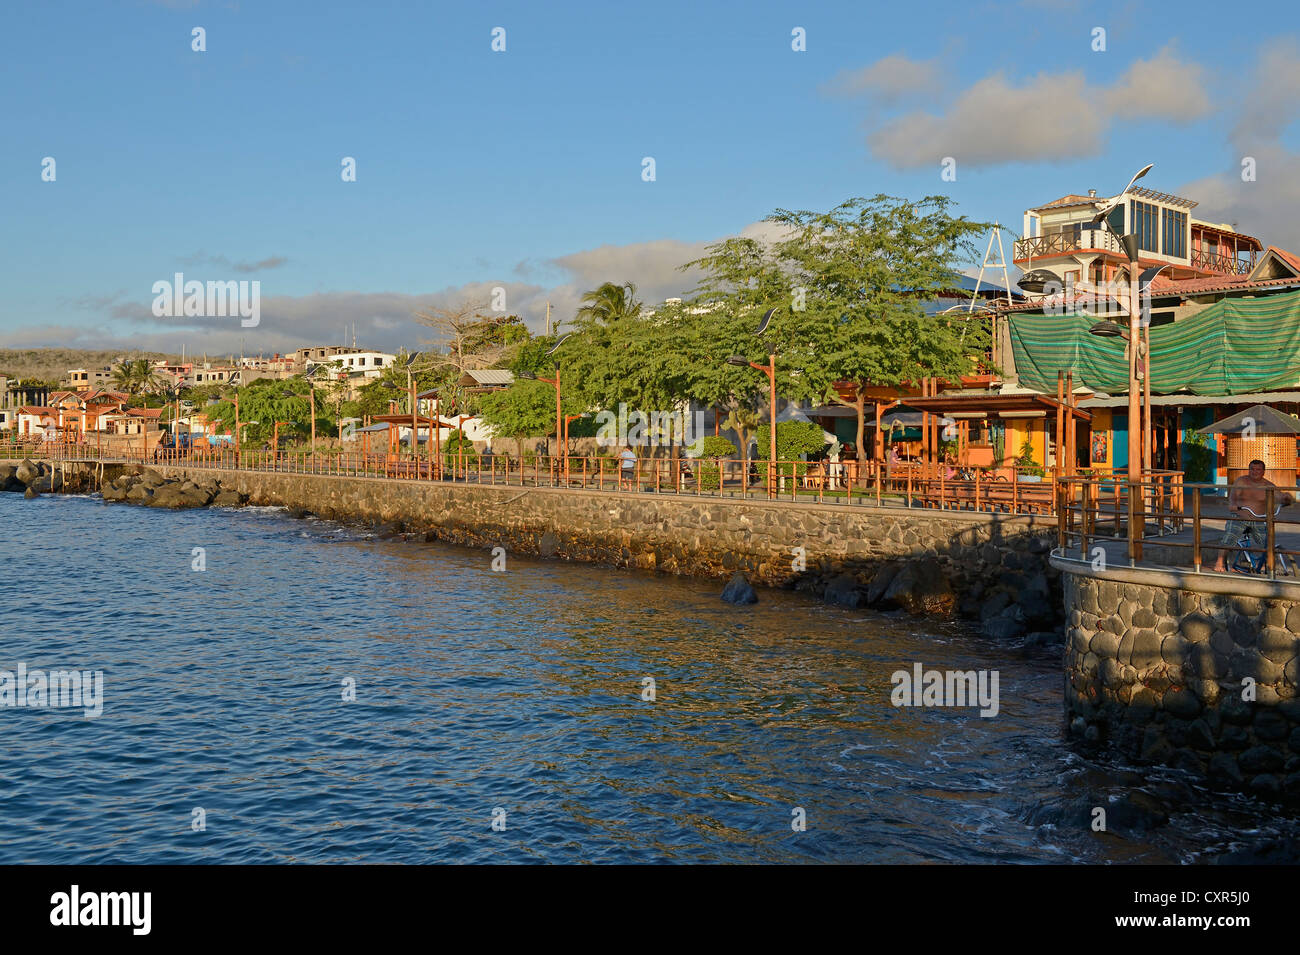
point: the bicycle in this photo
(1248, 561)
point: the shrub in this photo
(793, 438)
(715, 446)
(458, 449)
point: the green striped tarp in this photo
(1234, 346)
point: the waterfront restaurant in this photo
(1224, 335)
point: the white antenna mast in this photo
(990, 262)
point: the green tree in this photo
(851, 285)
(526, 409)
(610, 303)
(261, 405)
(793, 440)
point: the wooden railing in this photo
(1187, 521)
(1221, 262)
(1007, 490)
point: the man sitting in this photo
(1248, 491)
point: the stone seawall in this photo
(986, 566)
(1178, 668)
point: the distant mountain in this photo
(52, 364)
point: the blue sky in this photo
(523, 168)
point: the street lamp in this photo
(770, 370)
(311, 396)
(555, 383)
(1130, 245)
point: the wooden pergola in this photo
(965, 406)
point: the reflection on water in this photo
(521, 691)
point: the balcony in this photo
(1222, 262)
(1066, 243)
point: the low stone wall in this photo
(1174, 667)
(980, 565)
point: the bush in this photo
(793, 438)
(1026, 461)
(710, 474)
(715, 446)
(458, 449)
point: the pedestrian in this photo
(627, 466)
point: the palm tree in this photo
(137, 377)
(124, 376)
(148, 381)
(610, 303)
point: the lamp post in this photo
(559, 415)
(770, 370)
(311, 398)
(1130, 244)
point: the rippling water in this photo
(518, 690)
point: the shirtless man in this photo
(1247, 491)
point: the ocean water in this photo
(499, 716)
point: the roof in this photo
(1257, 419)
(991, 402)
(489, 376)
(1169, 401)
(35, 409)
(143, 412)
(1070, 200)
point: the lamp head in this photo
(738, 360)
(1106, 330)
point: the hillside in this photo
(51, 364)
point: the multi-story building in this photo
(367, 364)
(82, 379)
(14, 394)
(1061, 238)
(316, 354)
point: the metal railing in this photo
(1190, 523)
(915, 484)
(1063, 243)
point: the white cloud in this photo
(1049, 117)
(386, 320)
(891, 80)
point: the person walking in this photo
(627, 467)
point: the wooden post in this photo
(1196, 532)
(1071, 428)
(1271, 536)
(1060, 428)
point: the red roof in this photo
(1290, 258)
(35, 409)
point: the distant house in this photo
(34, 420)
(79, 379)
(134, 420)
(484, 380)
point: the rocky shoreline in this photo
(1007, 592)
(139, 485)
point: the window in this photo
(1144, 225)
(1174, 233)
(1116, 220)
